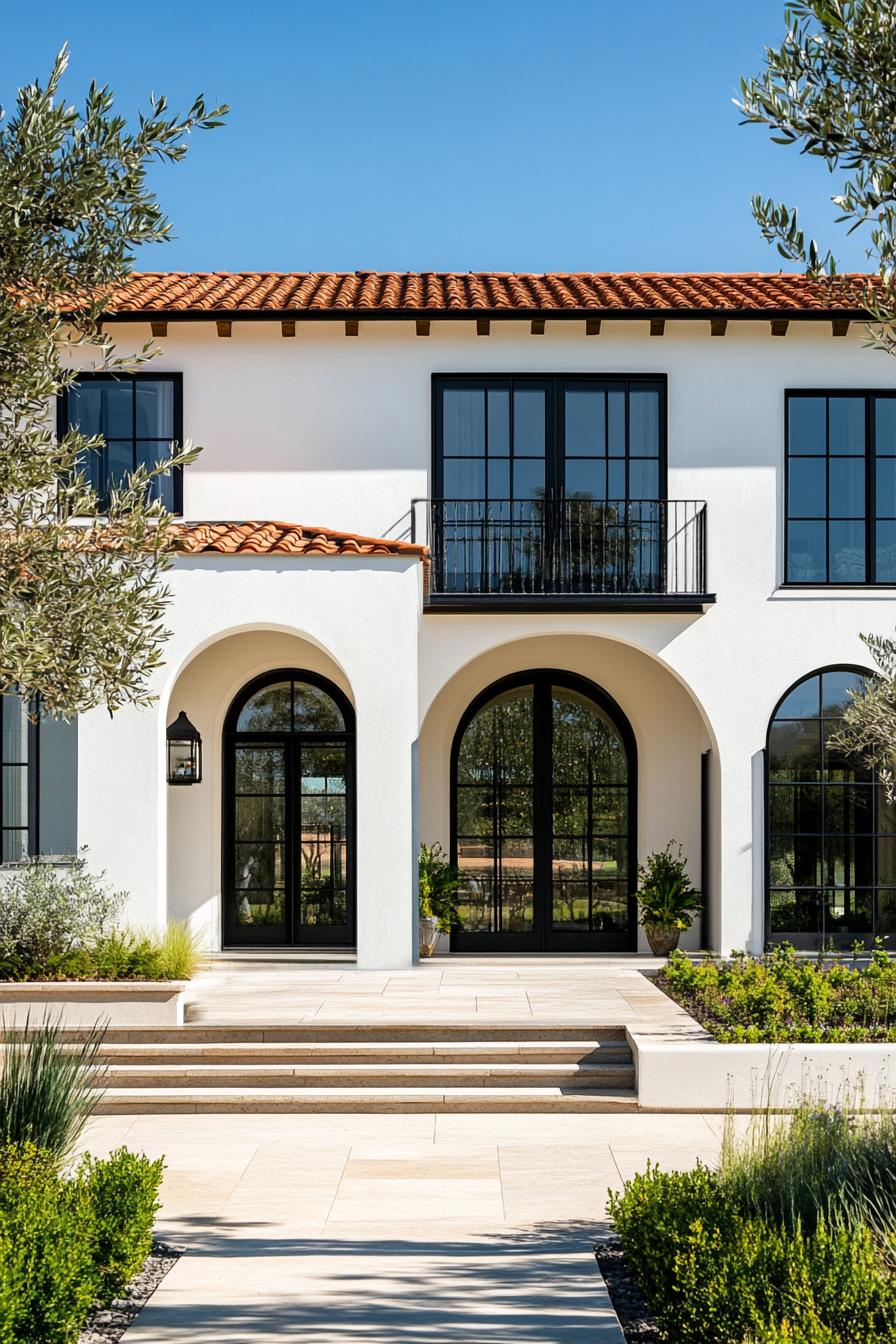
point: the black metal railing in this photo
(551, 547)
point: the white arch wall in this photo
(229, 618)
(669, 733)
(208, 685)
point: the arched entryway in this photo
(289, 768)
(543, 817)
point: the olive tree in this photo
(829, 90)
(82, 593)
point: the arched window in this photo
(543, 817)
(288, 813)
(831, 833)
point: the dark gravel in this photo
(106, 1325)
(625, 1294)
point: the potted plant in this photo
(667, 901)
(439, 883)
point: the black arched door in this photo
(543, 823)
(288, 832)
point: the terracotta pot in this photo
(429, 935)
(663, 938)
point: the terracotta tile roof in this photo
(267, 538)
(393, 293)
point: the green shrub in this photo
(47, 1275)
(47, 1091)
(68, 1243)
(780, 997)
(48, 913)
(791, 1240)
(131, 954)
(122, 1191)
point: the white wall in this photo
(355, 619)
(335, 430)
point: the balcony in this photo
(557, 554)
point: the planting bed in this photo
(107, 1324)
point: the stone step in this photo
(366, 1052)
(172, 1101)
(318, 1032)
(438, 1076)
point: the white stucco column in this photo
(385, 681)
(121, 805)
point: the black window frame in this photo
(868, 395)
(804, 940)
(553, 383)
(295, 934)
(177, 382)
(542, 937)
(31, 767)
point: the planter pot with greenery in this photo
(439, 883)
(667, 902)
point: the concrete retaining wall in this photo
(134, 1003)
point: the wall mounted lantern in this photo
(184, 752)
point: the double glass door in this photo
(549, 484)
(543, 818)
(288, 862)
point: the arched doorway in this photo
(831, 850)
(289, 768)
(543, 817)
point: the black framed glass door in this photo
(543, 818)
(288, 862)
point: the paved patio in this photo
(402, 1228)
(597, 990)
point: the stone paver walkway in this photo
(444, 989)
(400, 1229)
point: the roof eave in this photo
(489, 314)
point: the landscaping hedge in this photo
(792, 1239)
(781, 997)
(68, 1243)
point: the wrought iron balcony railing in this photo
(567, 547)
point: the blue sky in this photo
(446, 134)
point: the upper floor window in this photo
(38, 782)
(841, 487)
(532, 437)
(140, 417)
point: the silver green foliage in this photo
(82, 598)
(830, 90)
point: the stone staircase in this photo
(332, 1067)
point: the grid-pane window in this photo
(841, 487)
(139, 417)
(38, 782)
(831, 831)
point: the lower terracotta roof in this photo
(372, 294)
(269, 538)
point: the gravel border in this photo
(625, 1294)
(106, 1325)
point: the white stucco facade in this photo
(337, 432)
